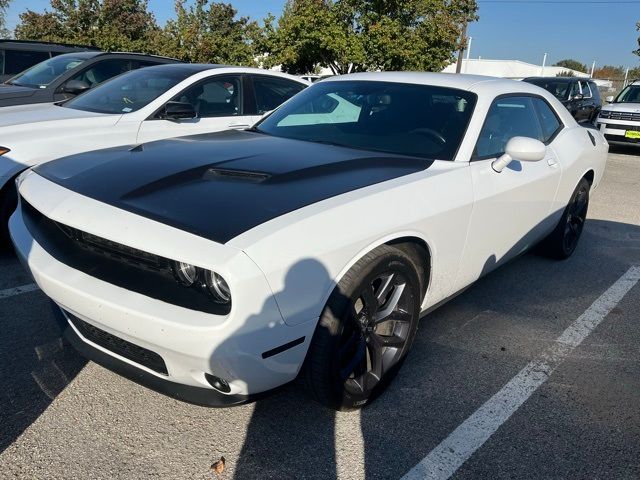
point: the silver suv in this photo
(620, 120)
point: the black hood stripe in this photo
(220, 185)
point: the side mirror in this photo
(610, 99)
(522, 149)
(178, 111)
(76, 87)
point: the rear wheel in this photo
(562, 242)
(365, 331)
(8, 204)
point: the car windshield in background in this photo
(128, 92)
(560, 89)
(404, 119)
(42, 74)
(631, 94)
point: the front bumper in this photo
(238, 347)
(615, 130)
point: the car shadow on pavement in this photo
(35, 364)
(464, 352)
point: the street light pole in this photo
(544, 63)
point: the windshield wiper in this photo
(255, 129)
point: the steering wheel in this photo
(429, 132)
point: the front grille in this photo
(620, 126)
(632, 116)
(119, 346)
(115, 263)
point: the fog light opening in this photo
(218, 383)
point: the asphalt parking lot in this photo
(454, 408)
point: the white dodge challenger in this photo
(215, 268)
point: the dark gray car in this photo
(579, 95)
(65, 76)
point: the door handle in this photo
(551, 161)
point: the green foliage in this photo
(357, 35)
(572, 64)
(210, 33)
(566, 73)
(637, 52)
(107, 24)
(3, 9)
(609, 72)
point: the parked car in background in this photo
(65, 76)
(579, 95)
(140, 106)
(619, 121)
(217, 267)
(18, 55)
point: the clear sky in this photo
(603, 32)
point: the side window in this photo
(1, 62)
(219, 96)
(508, 117)
(272, 92)
(548, 120)
(102, 71)
(16, 61)
(142, 63)
(575, 90)
(586, 91)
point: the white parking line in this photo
(10, 292)
(444, 460)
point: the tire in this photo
(354, 354)
(8, 204)
(562, 242)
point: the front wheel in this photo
(562, 242)
(366, 330)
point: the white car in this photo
(619, 121)
(215, 268)
(137, 107)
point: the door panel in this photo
(511, 208)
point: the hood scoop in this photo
(235, 175)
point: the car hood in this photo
(622, 107)
(15, 91)
(220, 185)
(41, 113)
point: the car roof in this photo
(44, 46)
(559, 79)
(450, 80)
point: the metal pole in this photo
(593, 68)
(461, 51)
(466, 65)
(626, 77)
(544, 62)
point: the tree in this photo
(3, 9)
(637, 52)
(572, 65)
(107, 24)
(609, 72)
(210, 33)
(357, 35)
(566, 73)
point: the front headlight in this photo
(211, 283)
(4, 150)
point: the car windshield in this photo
(43, 73)
(128, 92)
(631, 94)
(560, 89)
(405, 119)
